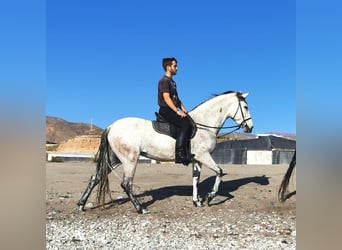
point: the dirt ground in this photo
(166, 191)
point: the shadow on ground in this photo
(226, 187)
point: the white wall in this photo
(66, 155)
(259, 157)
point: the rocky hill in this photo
(58, 130)
(82, 144)
(70, 137)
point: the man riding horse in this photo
(173, 110)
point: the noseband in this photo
(243, 123)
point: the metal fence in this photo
(230, 156)
(282, 156)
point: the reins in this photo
(237, 127)
(206, 126)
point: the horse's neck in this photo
(213, 112)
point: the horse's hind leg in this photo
(127, 187)
(92, 183)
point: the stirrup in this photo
(185, 160)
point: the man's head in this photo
(170, 65)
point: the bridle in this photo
(237, 127)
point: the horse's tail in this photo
(106, 162)
(282, 196)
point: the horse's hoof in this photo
(209, 199)
(81, 208)
(144, 211)
(198, 204)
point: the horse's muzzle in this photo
(247, 129)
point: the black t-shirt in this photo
(168, 85)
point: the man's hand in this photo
(181, 114)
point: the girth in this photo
(162, 126)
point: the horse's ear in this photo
(245, 95)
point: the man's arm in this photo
(183, 108)
(172, 106)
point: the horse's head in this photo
(229, 104)
(242, 115)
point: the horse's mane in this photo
(215, 95)
(226, 92)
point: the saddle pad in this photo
(165, 128)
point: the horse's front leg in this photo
(207, 160)
(216, 186)
(196, 173)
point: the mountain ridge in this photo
(58, 129)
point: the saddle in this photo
(162, 126)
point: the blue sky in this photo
(104, 57)
(80, 62)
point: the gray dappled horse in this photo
(126, 139)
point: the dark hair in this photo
(168, 62)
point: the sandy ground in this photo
(166, 190)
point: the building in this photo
(265, 149)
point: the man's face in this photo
(173, 68)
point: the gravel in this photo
(230, 229)
(245, 215)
